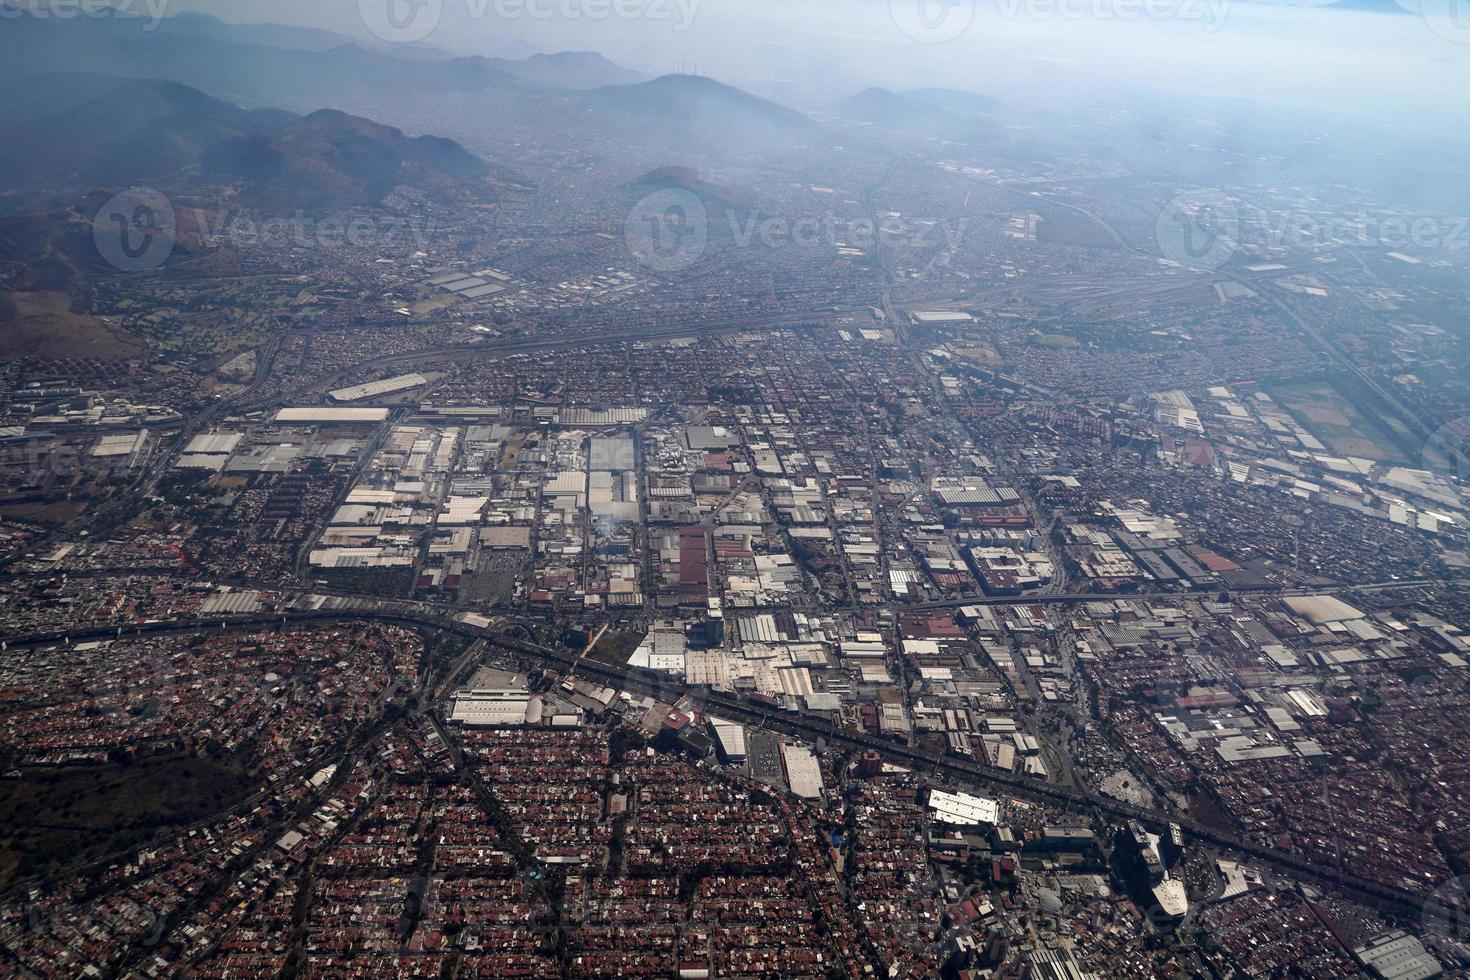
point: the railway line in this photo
(1400, 900)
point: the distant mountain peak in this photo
(689, 93)
(567, 70)
(939, 111)
(80, 131)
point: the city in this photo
(544, 518)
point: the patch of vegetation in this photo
(1056, 341)
(615, 647)
(50, 514)
(62, 818)
(982, 354)
(44, 325)
(1349, 426)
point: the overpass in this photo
(797, 725)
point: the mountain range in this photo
(81, 131)
(266, 63)
(695, 110)
(581, 97)
(945, 112)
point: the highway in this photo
(1081, 598)
(497, 349)
(97, 519)
(441, 617)
(984, 778)
(148, 482)
(1390, 401)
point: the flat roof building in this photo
(962, 809)
(803, 774)
(1398, 955)
(128, 444)
(730, 736)
(329, 416)
(377, 389)
(493, 709)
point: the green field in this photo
(1326, 411)
(1056, 341)
(62, 818)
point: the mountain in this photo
(703, 112)
(1368, 6)
(85, 130)
(88, 130)
(712, 195)
(223, 64)
(568, 70)
(276, 64)
(945, 112)
(489, 102)
(330, 159)
(190, 24)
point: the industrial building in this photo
(377, 389)
(729, 740)
(803, 773)
(962, 809)
(316, 415)
(1398, 956)
(501, 708)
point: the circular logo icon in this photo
(1201, 231)
(1446, 914)
(933, 21)
(135, 231)
(1447, 19)
(1448, 450)
(668, 230)
(400, 21)
(128, 690)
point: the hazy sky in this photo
(1026, 51)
